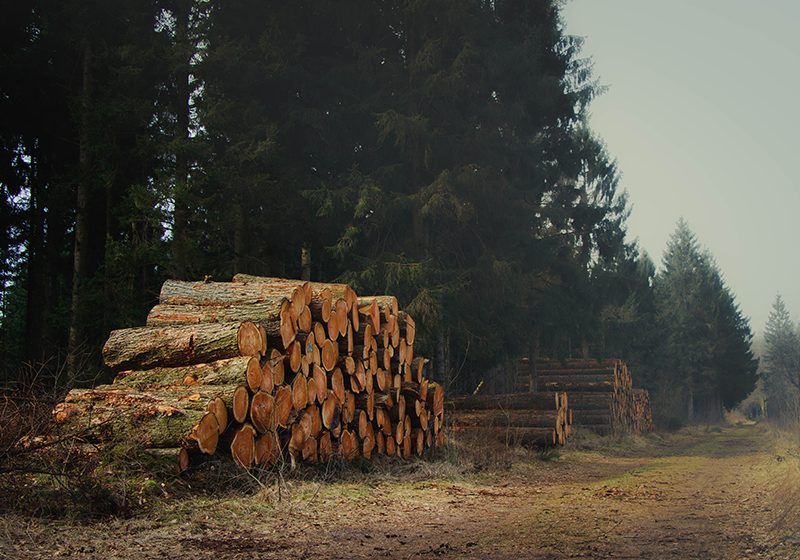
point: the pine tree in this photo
(705, 361)
(781, 371)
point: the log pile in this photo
(600, 392)
(540, 419)
(265, 368)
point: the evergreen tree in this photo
(705, 361)
(468, 195)
(781, 371)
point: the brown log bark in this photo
(171, 417)
(231, 371)
(500, 418)
(319, 290)
(147, 347)
(513, 435)
(407, 326)
(573, 363)
(435, 398)
(387, 305)
(597, 387)
(177, 292)
(180, 315)
(526, 401)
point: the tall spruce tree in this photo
(705, 362)
(464, 196)
(781, 367)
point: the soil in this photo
(719, 493)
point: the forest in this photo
(434, 150)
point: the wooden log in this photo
(310, 452)
(299, 393)
(526, 401)
(513, 435)
(574, 363)
(577, 387)
(267, 450)
(319, 290)
(324, 446)
(368, 442)
(283, 405)
(331, 411)
(582, 378)
(387, 305)
(147, 347)
(173, 417)
(499, 418)
(332, 327)
(368, 307)
(348, 445)
(241, 403)
(407, 327)
(262, 412)
(243, 446)
(177, 292)
(184, 315)
(276, 364)
(219, 409)
(311, 391)
(231, 371)
(336, 384)
(330, 355)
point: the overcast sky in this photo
(702, 115)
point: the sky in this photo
(702, 117)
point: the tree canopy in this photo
(433, 150)
(704, 360)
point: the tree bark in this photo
(526, 401)
(230, 371)
(170, 417)
(147, 347)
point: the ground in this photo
(707, 494)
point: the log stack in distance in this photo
(600, 392)
(265, 369)
(541, 419)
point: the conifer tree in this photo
(705, 361)
(781, 371)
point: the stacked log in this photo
(540, 419)
(600, 392)
(265, 368)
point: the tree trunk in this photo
(523, 401)
(148, 347)
(81, 230)
(169, 417)
(230, 371)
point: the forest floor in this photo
(702, 493)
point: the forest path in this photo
(707, 494)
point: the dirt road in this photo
(719, 494)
